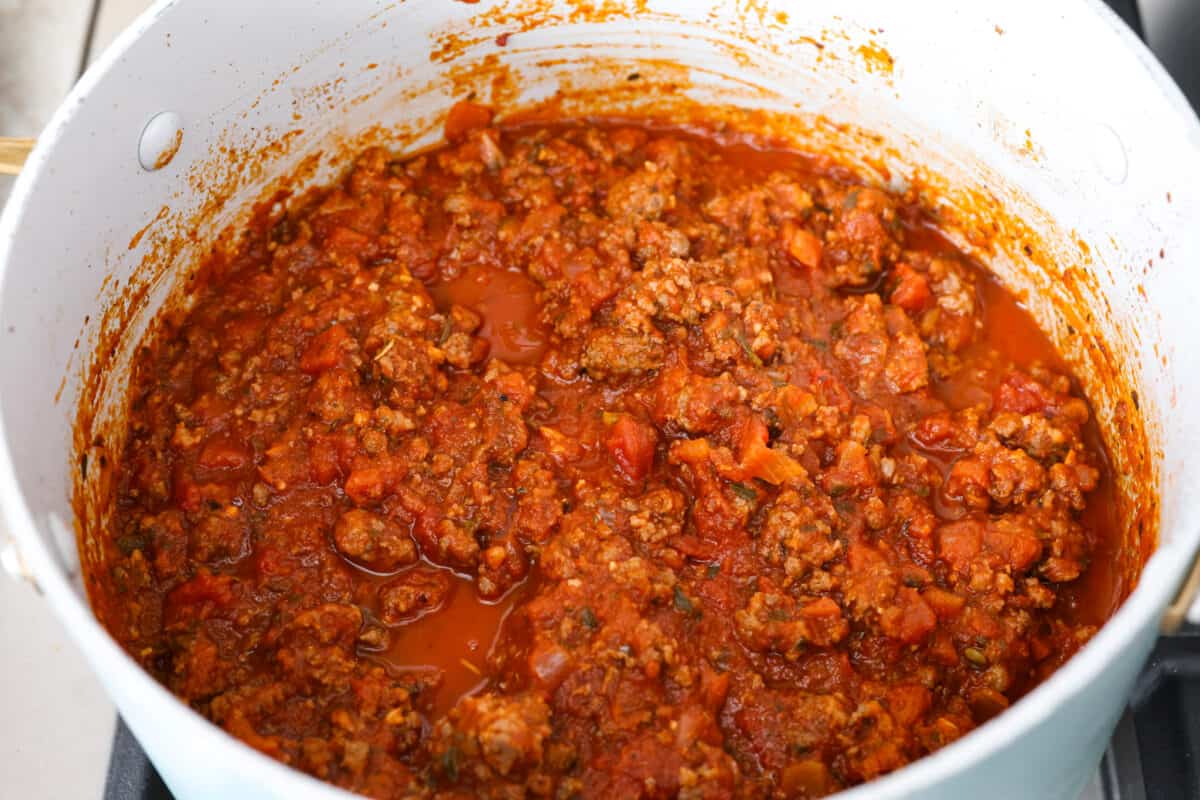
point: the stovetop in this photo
(1155, 750)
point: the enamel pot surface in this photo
(1055, 146)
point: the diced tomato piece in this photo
(1022, 394)
(631, 444)
(323, 460)
(826, 625)
(348, 241)
(1017, 547)
(185, 489)
(946, 605)
(793, 405)
(753, 433)
(912, 290)
(224, 452)
(465, 117)
(324, 350)
(935, 429)
(911, 620)
(373, 480)
(188, 598)
(285, 462)
(941, 649)
(959, 543)
(760, 461)
(802, 245)
(968, 481)
(714, 687)
(908, 703)
(772, 466)
(690, 451)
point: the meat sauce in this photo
(594, 459)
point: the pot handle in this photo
(13, 153)
(1178, 611)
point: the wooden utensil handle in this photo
(13, 153)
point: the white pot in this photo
(1053, 110)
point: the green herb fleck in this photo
(588, 618)
(683, 603)
(450, 763)
(819, 344)
(745, 492)
(851, 200)
(445, 332)
(750, 354)
(835, 330)
(713, 571)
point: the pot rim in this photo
(1158, 581)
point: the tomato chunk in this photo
(325, 349)
(631, 445)
(912, 290)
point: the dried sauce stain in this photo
(509, 17)
(167, 154)
(137, 237)
(876, 58)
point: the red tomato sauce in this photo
(597, 460)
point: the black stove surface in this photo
(1155, 750)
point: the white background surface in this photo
(56, 725)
